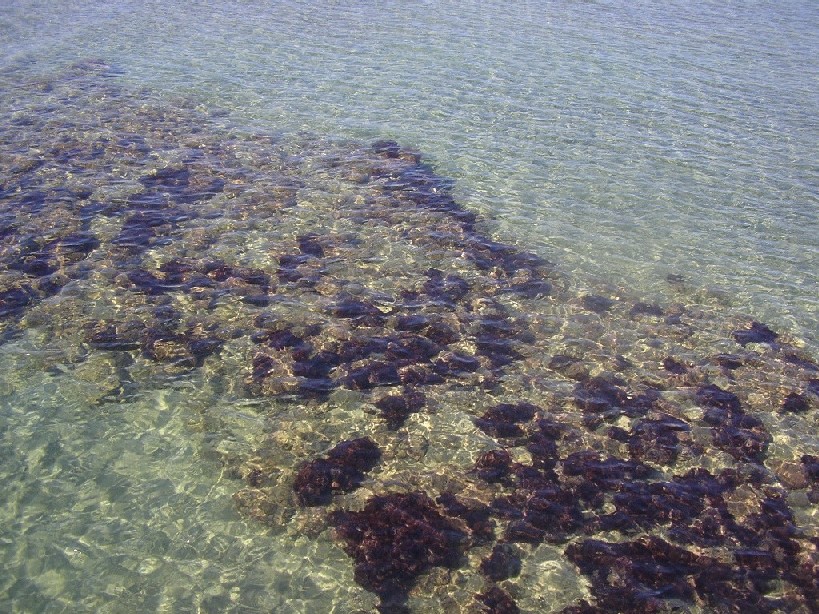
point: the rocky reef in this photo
(449, 408)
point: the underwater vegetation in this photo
(448, 408)
(342, 470)
(394, 539)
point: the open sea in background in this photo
(624, 141)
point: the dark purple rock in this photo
(757, 333)
(14, 300)
(618, 434)
(168, 178)
(522, 531)
(448, 289)
(475, 515)
(498, 327)
(646, 309)
(201, 348)
(316, 366)
(543, 449)
(646, 505)
(412, 323)
(811, 464)
(411, 348)
(362, 347)
(744, 437)
(500, 352)
(503, 420)
(375, 373)
(494, 466)
(341, 471)
(289, 264)
(496, 601)
(600, 394)
(569, 366)
(418, 375)
(395, 408)
(656, 441)
(796, 403)
(534, 288)
(502, 564)
(121, 337)
(257, 300)
(254, 277)
(148, 283)
(537, 476)
(800, 360)
(262, 366)
(554, 511)
(309, 244)
(729, 361)
(675, 367)
(455, 363)
(281, 339)
(37, 264)
(607, 474)
(353, 308)
(361, 454)
(441, 333)
(712, 396)
(396, 538)
(596, 303)
(387, 149)
(631, 576)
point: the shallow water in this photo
(627, 142)
(186, 293)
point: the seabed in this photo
(476, 433)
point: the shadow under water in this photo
(462, 421)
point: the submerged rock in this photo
(657, 441)
(396, 408)
(497, 601)
(395, 539)
(494, 466)
(757, 333)
(503, 563)
(796, 403)
(597, 303)
(504, 420)
(341, 471)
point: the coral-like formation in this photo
(503, 420)
(396, 538)
(496, 601)
(341, 471)
(502, 564)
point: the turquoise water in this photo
(654, 152)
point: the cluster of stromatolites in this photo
(634, 438)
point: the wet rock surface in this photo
(444, 406)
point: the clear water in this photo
(624, 142)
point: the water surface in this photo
(659, 157)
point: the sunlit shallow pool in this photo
(252, 365)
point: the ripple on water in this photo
(232, 357)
